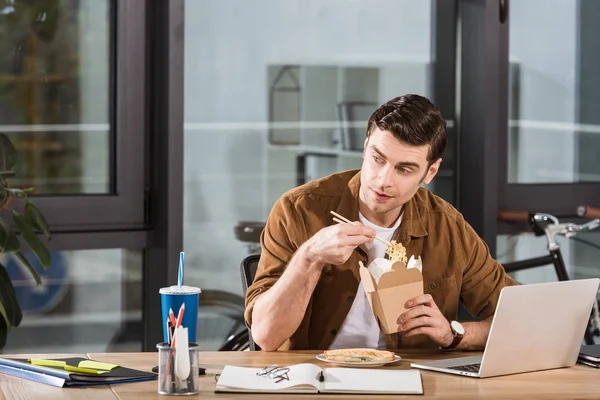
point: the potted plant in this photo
(20, 223)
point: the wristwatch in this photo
(459, 332)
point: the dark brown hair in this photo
(412, 119)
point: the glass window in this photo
(278, 93)
(55, 90)
(554, 92)
(90, 301)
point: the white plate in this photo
(363, 364)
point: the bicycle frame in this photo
(554, 257)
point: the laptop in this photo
(536, 327)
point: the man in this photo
(307, 292)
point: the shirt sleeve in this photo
(483, 277)
(281, 237)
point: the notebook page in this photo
(303, 379)
(363, 380)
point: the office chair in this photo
(243, 339)
(248, 269)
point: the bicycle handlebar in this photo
(588, 212)
(513, 216)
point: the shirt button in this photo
(334, 331)
(432, 285)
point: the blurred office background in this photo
(151, 127)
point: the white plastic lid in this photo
(179, 290)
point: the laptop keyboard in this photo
(467, 368)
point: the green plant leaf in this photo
(37, 219)
(8, 239)
(4, 329)
(3, 313)
(28, 265)
(8, 154)
(32, 240)
(8, 298)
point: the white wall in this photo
(228, 47)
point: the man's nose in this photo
(384, 176)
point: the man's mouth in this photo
(379, 195)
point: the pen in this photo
(168, 330)
(321, 377)
(178, 322)
(171, 316)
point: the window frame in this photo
(484, 120)
(122, 209)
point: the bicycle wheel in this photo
(220, 318)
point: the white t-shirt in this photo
(360, 328)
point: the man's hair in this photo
(412, 119)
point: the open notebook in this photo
(304, 378)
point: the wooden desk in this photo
(576, 382)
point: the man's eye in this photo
(377, 158)
(404, 170)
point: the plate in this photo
(363, 364)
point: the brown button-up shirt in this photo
(457, 265)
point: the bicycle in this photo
(549, 225)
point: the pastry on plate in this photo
(358, 355)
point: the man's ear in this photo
(432, 171)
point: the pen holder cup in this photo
(176, 379)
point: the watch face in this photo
(457, 327)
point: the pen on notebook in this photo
(321, 377)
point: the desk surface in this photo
(578, 381)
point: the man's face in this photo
(392, 172)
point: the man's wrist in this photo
(449, 337)
(458, 331)
(311, 259)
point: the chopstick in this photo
(340, 220)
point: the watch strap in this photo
(455, 342)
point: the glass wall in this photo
(55, 77)
(554, 126)
(277, 93)
(554, 92)
(90, 300)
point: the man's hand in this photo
(334, 244)
(424, 317)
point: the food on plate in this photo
(358, 355)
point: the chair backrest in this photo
(248, 271)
